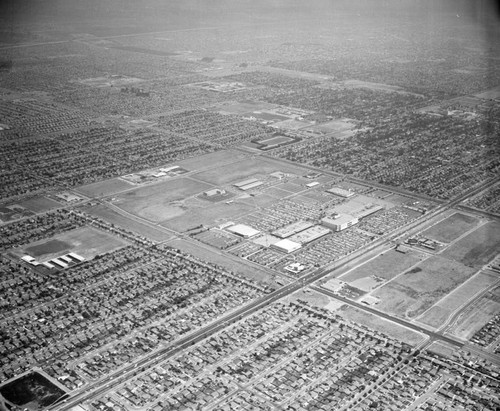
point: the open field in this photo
(243, 107)
(485, 309)
(210, 215)
(104, 188)
(113, 217)
(210, 160)
(86, 241)
(153, 202)
(244, 169)
(39, 204)
(439, 313)
(379, 324)
(216, 257)
(419, 288)
(313, 298)
(451, 228)
(478, 247)
(386, 265)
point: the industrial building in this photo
(339, 222)
(313, 184)
(341, 192)
(311, 234)
(245, 182)
(286, 246)
(251, 185)
(292, 229)
(248, 184)
(76, 257)
(242, 230)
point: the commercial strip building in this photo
(292, 229)
(311, 234)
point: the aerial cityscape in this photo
(269, 205)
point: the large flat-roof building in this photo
(341, 192)
(340, 222)
(292, 229)
(286, 246)
(311, 234)
(242, 230)
(245, 182)
(255, 184)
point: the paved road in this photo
(400, 321)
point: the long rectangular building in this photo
(292, 229)
(309, 235)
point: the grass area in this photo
(209, 160)
(85, 241)
(379, 324)
(105, 188)
(386, 265)
(439, 313)
(451, 228)
(153, 202)
(117, 219)
(39, 204)
(48, 247)
(418, 289)
(478, 247)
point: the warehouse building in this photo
(339, 222)
(245, 182)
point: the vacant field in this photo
(245, 107)
(387, 266)
(208, 216)
(419, 288)
(451, 228)
(210, 160)
(143, 229)
(86, 241)
(104, 188)
(475, 319)
(243, 169)
(216, 257)
(438, 314)
(154, 202)
(39, 204)
(478, 247)
(379, 324)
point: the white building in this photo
(286, 246)
(341, 222)
(242, 230)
